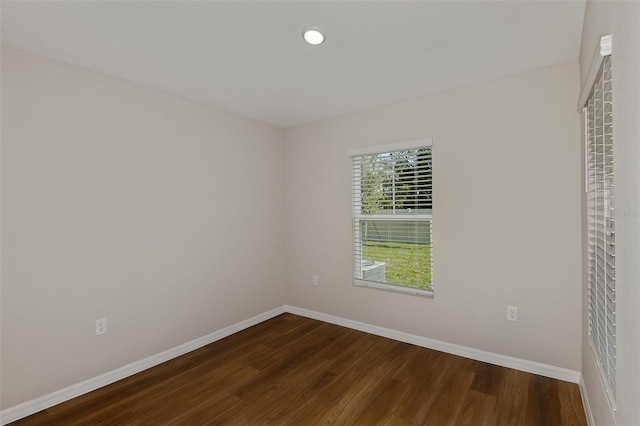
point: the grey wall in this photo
(506, 216)
(622, 21)
(113, 197)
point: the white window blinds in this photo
(392, 217)
(601, 225)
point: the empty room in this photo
(320, 212)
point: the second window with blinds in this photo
(601, 229)
(392, 217)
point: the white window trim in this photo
(394, 288)
(400, 146)
(605, 48)
(412, 144)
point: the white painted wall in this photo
(622, 20)
(161, 214)
(506, 216)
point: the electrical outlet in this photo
(314, 279)
(512, 313)
(101, 326)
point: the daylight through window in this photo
(392, 217)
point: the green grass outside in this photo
(407, 264)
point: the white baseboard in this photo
(585, 402)
(464, 351)
(30, 407)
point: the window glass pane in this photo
(396, 182)
(393, 199)
(396, 252)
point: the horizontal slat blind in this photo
(601, 225)
(392, 218)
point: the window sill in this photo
(394, 288)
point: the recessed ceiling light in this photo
(313, 36)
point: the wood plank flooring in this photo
(298, 371)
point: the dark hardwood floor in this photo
(298, 371)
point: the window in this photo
(598, 115)
(392, 217)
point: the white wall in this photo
(161, 214)
(506, 216)
(622, 20)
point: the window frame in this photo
(600, 269)
(355, 155)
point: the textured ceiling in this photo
(249, 57)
